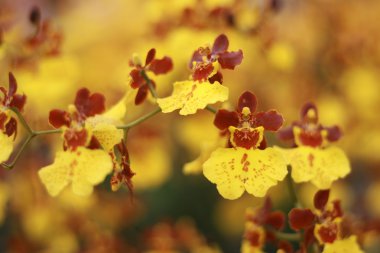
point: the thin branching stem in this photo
(149, 83)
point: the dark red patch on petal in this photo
(161, 66)
(137, 79)
(309, 236)
(229, 60)
(301, 218)
(224, 119)
(328, 232)
(220, 44)
(202, 71)
(11, 127)
(94, 143)
(276, 219)
(321, 198)
(246, 138)
(59, 118)
(74, 138)
(311, 138)
(285, 246)
(218, 77)
(141, 95)
(333, 133)
(286, 133)
(270, 120)
(247, 99)
(89, 105)
(253, 237)
(3, 119)
(197, 57)
(304, 113)
(18, 101)
(150, 56)
(12, 85)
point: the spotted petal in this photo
(346, 245)
(83, 168)
(189, 96)
(234, 170)
(320, 166)
(6, 146)
(104, 131)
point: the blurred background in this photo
(295, 51)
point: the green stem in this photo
(51, 131)
(292, 191)
(211, 109)
(21, 150)
(140, 120)
(22, 120)
(295, 237)
(149, 83)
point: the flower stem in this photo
(149, 83)
(292, 191)
(211, 109)
(22, 120)
(140, 120)
(287, 236)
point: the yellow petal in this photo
(6, 147)
(84, 168)
(106, 132)
(320, 166)
(343, 246)
(189, 96)
(118, 111)
(234, 170)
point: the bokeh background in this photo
(295, 51)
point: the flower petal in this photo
(189, 96)
(247, 99)
(224, 119)
(89, 105)
(220, 44)
(346, 245)
(161, 66)
(59, 118)
(232, 170)
(320, 166)
(104, 131)
(6, 147)
(229, 60)
(84, 168)
(270, 120)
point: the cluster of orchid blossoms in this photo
(94, 145)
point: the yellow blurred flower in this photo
(343, 246)
(6, 144)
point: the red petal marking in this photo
(220, 44)
(218, 77)
(253, 237)
(202, 71)
(161, 66)
(150, 56)
(247, 99)
(137, 79)
(276, 219)
(313, 139)
(246, 138)
(18, 101)
(304, 111)
(224, 119)
(74, 139)
(229, 60)
(3, 119)
(286, 133)
(11, 127)
(12, 85)
(285, 246)
(301, 218)
(333, 133)
(263, 144)
(89, 105)
(94, 143)
(141, 95)
(197, 57)
(335, 212)
(321, 198)
(328, 232)
(59, 118)
(270, 120)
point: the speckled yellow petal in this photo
(84, 168)
(118, 111)
(343, 246)
(106, 132)
(234, 170)
(189, 96)
(6, 147)
(320, 166)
